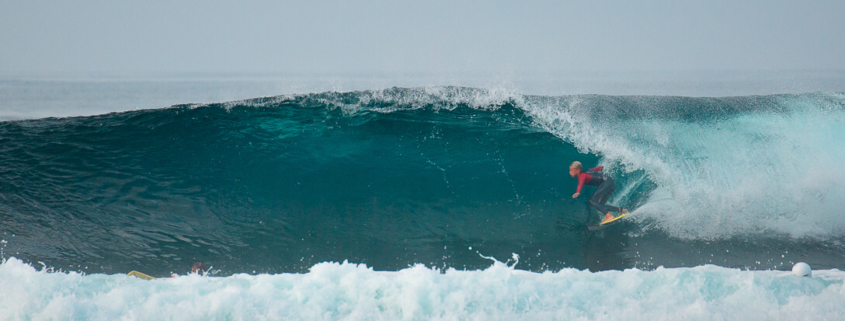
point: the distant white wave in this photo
(345, 291)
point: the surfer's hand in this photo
(576, 195)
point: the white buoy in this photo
(802, 269)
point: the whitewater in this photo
(346, 291)
(418, 203)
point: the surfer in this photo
(197, 268)
(595, 177)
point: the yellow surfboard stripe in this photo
(615, 218)
(140, 275)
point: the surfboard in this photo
(608, 223)
(140, 275)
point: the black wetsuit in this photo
(604, 187)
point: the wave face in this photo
(400, 176)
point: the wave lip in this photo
(725, 166)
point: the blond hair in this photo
(577, 165)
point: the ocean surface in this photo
(426, 202)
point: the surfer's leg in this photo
(611, 186)
(594, 202)
(601, 195)
(610, 208)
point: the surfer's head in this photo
(575, 168)
(199, 268)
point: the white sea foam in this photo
(447, 98)
(334, 291)
(761, 171)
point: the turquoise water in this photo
(419, 181)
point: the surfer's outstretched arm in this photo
(575, 171)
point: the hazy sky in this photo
(310, 37)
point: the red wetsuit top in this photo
(587, 178)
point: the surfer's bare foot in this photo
(607, 217)
(623, 211)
